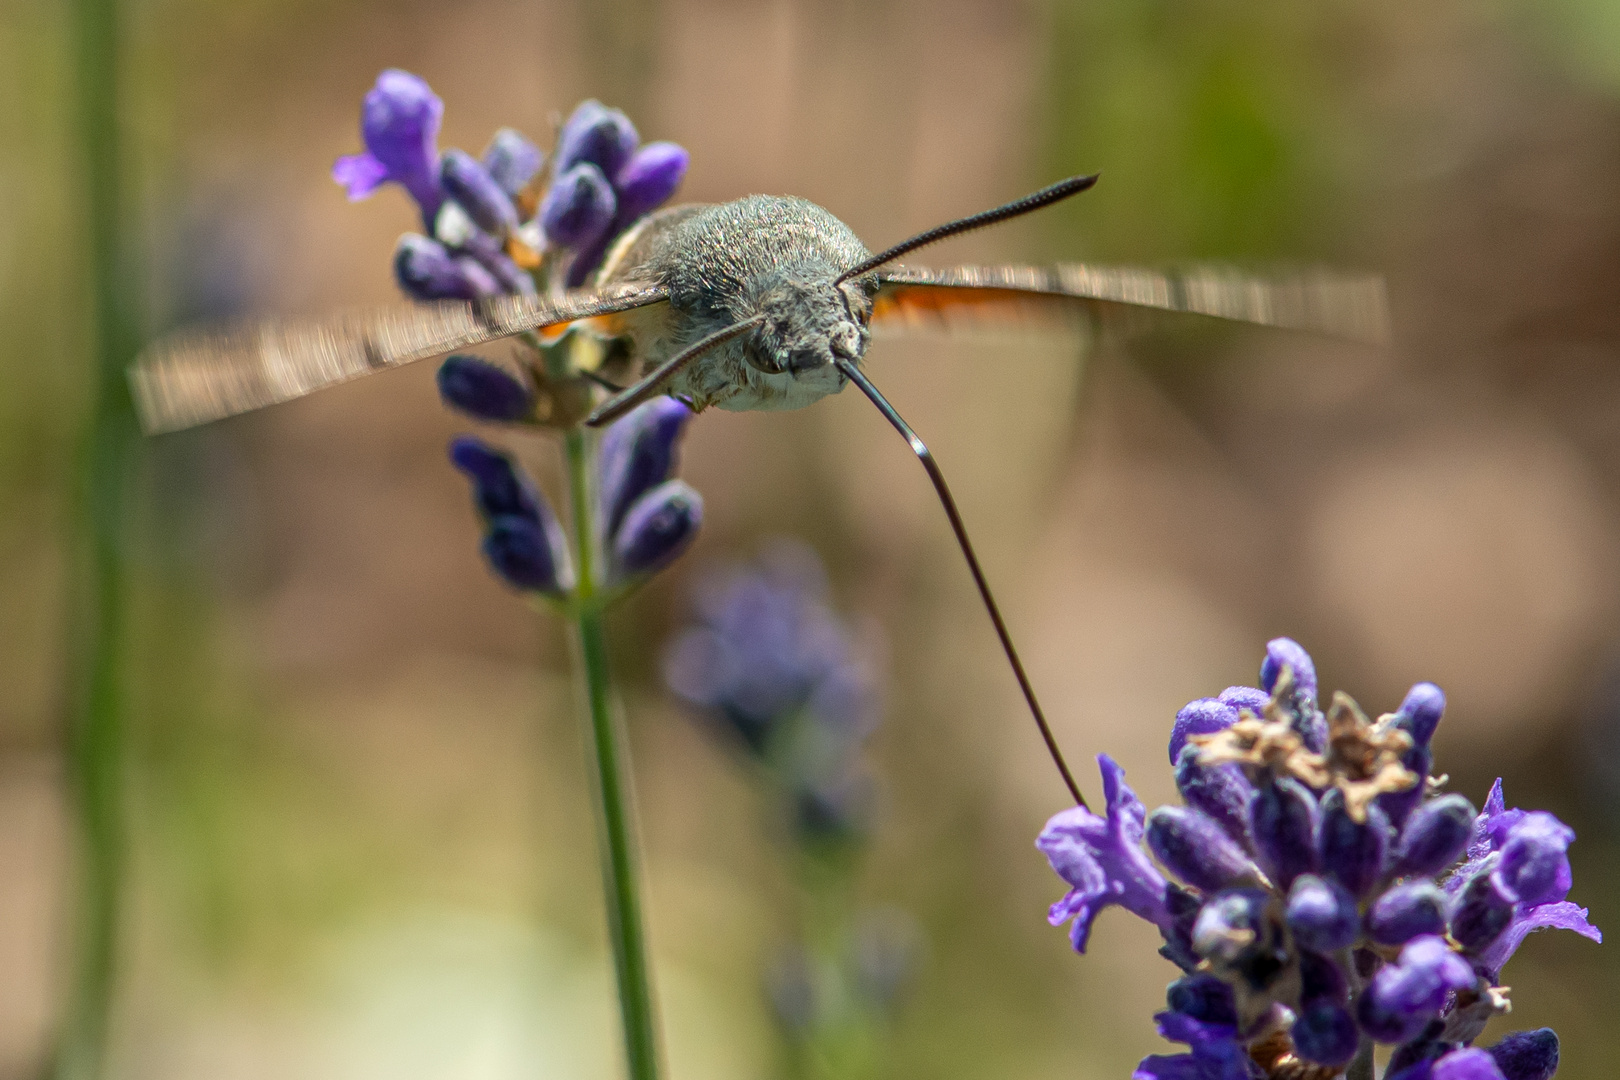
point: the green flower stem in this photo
(615, 815)
(95, 741)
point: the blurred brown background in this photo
(363, 846)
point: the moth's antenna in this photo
(855, 376)
(1074, 185)
(651, 385)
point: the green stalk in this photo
(96, 598)
(614, 799)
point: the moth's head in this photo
(808, 322)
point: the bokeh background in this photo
(362, 845)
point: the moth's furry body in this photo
(762, 255)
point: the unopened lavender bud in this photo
(512, 160)
(1420, 712)
(499, 489)
(1197, 850)
(1352, 851)
(598, 135)
(1321, 979)
(1398, 805)
(1287, 653)
(1480, 913)
(426, 270)
(1244, 698)
(1321, 914)
(649, 178)
(520, 552)
(1325, 1033)
(1469, 1063)
(1406, 911)
(465, 180)
(1204, 998)
(484, 390)
(1221, 791)
(1228, 925)
(658, 527)
(1434, 837)
(638, 453)
(578, 207)
(1535, 860)
(1202, 717)
(1403, 997)
(1527, 1055)
(1283, 821)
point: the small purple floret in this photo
(399, 123)
(426, 270)
(512, 160)
(637, 453)
(1405, 912)
(1403, 997)
(1434, 836)
(648, 179)
(1103, 861)
(1197, 850)
(1283, 820)
(1535, 860)
(596, 134)
(1469, 1063)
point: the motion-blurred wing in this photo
(1322, 301)
(194, 376)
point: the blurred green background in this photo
(361, 840)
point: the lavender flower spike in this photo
(399, 123)
(1103, 861)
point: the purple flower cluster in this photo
(776, 669)
(1328, 895)
(645, 519)
(488, 220)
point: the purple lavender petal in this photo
(500, 488)
(1480, 912)
(1202, 717)
(1558, 916)
(1103, 861)
(399, 122)
(1404, 996)
(1535, 860)
(648, 179)
(360, 175)
(1420, 712)
(1240, 698)
(520, 553)
(1527, 1055)
(1470, 1063)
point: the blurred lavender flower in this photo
(777, 671)
(522, 540)
(1358, 925)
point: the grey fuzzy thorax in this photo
(721, 264)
